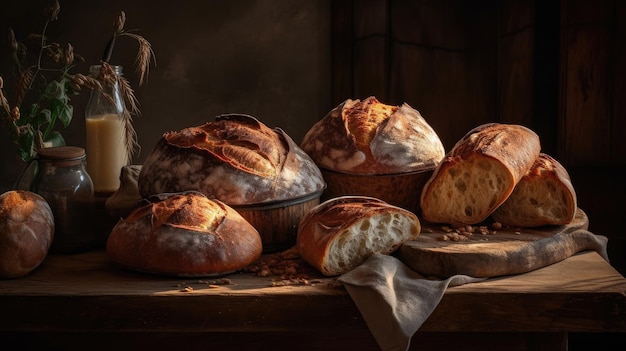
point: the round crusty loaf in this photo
(235, 159)
(369, 137)
(341, 233)
(479, 173)
(184, 234)
(26, 232)
(544, 196)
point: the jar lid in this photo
(61, 153)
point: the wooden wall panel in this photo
(440, 97)
(438, 63)
(440, 57)
(370, 49)
(434, 24)
(462, 63)
(341, 50)
(618, 67)
(585, 137)
(515, 62)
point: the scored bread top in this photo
(184, 234)
(247, 145)
(513, 144)
(236, 159)
(369, 137)
(175, 210)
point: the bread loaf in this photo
(544, 196)
(340, 233)
(369, 137)
(235, 159)
(479, 173)
(184, 234)
(26, 232)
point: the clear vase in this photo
(106, 135)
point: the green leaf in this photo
(56, 139)
(44, 116)
(27, 115)
(56, 90)
(62, 111)
(26, 142)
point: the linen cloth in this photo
(395, 301)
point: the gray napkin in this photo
(395, 300)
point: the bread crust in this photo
(236, 159)
(544, 196)
(184, 234)
(369, 137)
(504, 152)
(26, 232)
(322, 232)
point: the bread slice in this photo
(544, 196)
(479, 173)
(341, 233)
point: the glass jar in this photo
(105, 134)
(61, 179)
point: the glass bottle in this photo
(61, 179)
(106, 134)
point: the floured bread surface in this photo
(544, 196)
(341, 233)
(236, 159)
(369, 137)
(27, 230)
(184, 234)
(479, 174)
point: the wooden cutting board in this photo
(502, 252)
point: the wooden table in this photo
(84, 300)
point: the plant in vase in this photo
(41, 105)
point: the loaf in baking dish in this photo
(369, 137)
(236, 159)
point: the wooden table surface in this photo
(87, 293)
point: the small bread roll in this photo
(369, 137)
(479, 173)
(26, 232)
(544, 196)
(184, 234)
(341, 233)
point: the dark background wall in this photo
(269, 59)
